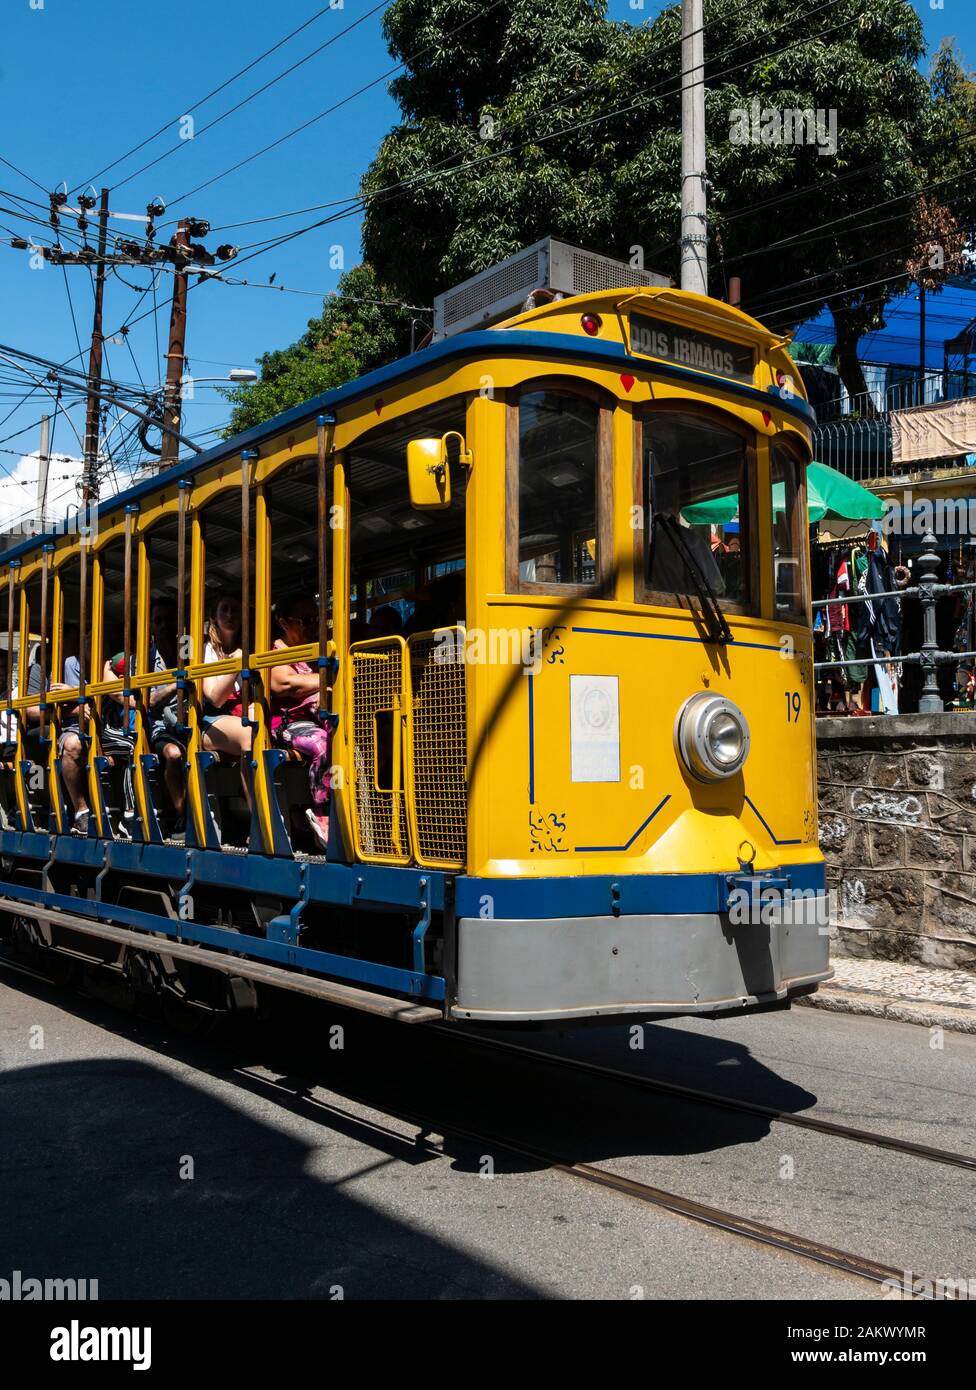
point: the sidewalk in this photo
(908, 993)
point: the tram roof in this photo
(496, 341)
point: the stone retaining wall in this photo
(898, 829)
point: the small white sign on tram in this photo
(595, 728)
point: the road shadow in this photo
(97, 1163)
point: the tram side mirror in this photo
(429, 470)
(429, 474)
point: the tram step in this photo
(401, 1010)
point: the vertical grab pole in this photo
(181, 653)
(42, 661)
(247, 457)
(13, 721)
(10, 632)
(127, 614)
(324, 449)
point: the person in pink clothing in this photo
(295, 721)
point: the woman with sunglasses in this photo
(295, 722)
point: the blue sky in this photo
(82, 81)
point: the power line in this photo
(203, 100)
(22, 174)
(258, 92)
(563, 101)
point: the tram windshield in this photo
(694, 478)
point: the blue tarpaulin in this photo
(897, 344)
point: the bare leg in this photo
(174, 776)
(229, 735)
(73, 772)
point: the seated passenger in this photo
(118, 735)
(385, 622)
(442, 606)
(71, 747)
(294, 694)
(222, 725)
(166, 739)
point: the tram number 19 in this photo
(792, 706)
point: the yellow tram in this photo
(562, 575)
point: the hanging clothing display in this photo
(861, 633)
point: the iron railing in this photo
(928, 591)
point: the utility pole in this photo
(89, 477)
(185, 256)
(43, 464)
(694, 232)
(921, 342)
(176, 356)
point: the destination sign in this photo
(688, 348)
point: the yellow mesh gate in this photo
(379, 702)
(437, 761)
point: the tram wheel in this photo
(183, 1016)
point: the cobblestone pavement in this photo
(909, 993)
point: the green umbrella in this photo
(827, 492)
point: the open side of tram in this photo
(561, 573)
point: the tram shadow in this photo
(496, 1109)
(124, 1172)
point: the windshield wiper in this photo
(712, 615)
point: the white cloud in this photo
(18, 492)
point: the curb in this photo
(840, 999)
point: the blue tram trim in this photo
(367, 887)
(381, 887)
(414, 983)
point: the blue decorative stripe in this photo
(607, 849)
(379, 886)
(410, 982)
(673, 637)
(600, 895)
(768, 828)
(488, 343)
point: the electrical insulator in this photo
(227, 252)
(195, 226)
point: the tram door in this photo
(406, 670)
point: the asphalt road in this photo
(266, 1161)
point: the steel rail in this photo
(702, 1213)
(748, 1107)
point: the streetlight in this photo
(236, 374)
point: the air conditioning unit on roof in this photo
(550, 265)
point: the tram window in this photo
(112, 562)
(68, 672)
(789, 531)
(694, 474)
(401, 560)
(558, 450)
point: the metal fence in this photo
(928, 591)
(853, 433)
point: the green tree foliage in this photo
(362, 327)
(530, 117)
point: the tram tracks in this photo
(702, 1213)
(775, 1114)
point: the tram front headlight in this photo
(712, 737)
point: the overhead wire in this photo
(203, 100)
(182, 144)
